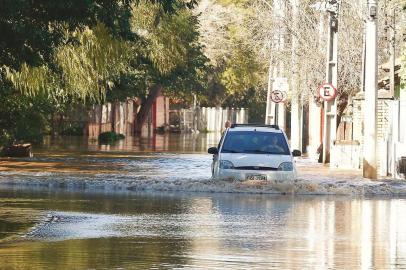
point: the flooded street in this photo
(174, 162)
(152, 204)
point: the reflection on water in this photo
(72, 161)
(205, 231)
(155, 143)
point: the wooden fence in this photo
(118, 116)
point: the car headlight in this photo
(286, 166)
(225, 164)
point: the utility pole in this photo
(275, 113)
(296, 104)
(268, 96)
(330, 107)
(371, 92)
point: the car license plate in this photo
(255, 177)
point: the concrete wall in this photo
(345, 155)
(396, 144)
(383, 126)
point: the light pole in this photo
(371, 92)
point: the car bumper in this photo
(230, 174)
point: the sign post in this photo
(330, 105)
(278, 95)
(328, 93)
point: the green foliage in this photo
(110, 137)
(237, 79)
(241, 72)
(23, 118)
(30, 80)
(172, 49)
(32, 29)
(97, 60)
(89, 67)
(83, 70)
(233, 2)
(73, 130)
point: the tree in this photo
(237, 77)
(172, 48)
(60, 52)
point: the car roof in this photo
(263, 128)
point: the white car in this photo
(254, 152)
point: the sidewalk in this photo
(311, 169)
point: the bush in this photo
(5, 138)
(110, 137)
(73, 131)
(30, 127)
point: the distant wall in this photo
(383, 125)
(395, 146)
(347, 151)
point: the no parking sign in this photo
(327, 92)
(280, 87)
(278, 96)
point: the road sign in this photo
(278, 96)
(327, 91)
(281, 84)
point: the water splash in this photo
(185, 173)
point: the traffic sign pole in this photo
(330, 107)
(275, 97)
(276, 113)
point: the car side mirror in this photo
(296, 153)
(213, 150)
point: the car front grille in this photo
(256, 168)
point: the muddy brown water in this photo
(53, 227)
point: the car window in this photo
(255, 142)
(221, 140)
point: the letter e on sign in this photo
(327, 92)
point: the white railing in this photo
(211, 119)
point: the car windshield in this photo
(255, 142)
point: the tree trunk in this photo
(113, 116)
(154, 92)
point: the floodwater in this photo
(150, 204)
(200, 231)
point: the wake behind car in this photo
(253, 152)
